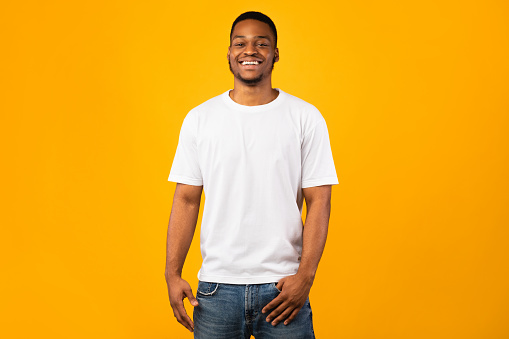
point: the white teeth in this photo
(250, 63)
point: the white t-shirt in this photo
(253, 162)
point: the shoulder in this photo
(193, 115)
(305, 108)
(308, 114)
(210, 104)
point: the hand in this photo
(294, 293)
(178, 289)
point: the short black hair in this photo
(256, 16)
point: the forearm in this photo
(181, 227)
(295, 288)
(314, 237)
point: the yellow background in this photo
(415, 95)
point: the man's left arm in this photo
(295, 288)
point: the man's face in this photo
(253, 42)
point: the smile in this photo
(250, 62)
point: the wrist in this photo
(306, 275)
(171, 276)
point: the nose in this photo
(250, 49)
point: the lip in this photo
(249, 66)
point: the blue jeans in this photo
(227, 311)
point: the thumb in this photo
(190, 296)
(280, 284)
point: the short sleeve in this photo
(317, 162)
(185, 168)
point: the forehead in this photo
(251, 28)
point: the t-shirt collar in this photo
(258, 108)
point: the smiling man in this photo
(257, 152)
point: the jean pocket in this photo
(207, 288)
(274, 285)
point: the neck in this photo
(253, 95)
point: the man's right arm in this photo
(183, 218)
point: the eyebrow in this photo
(258, 36)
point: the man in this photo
(257, 152)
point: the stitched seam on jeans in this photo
(210, 293)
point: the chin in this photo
(252, 80)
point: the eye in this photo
(262, 44)
(238, 44)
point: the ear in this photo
(228, 54)
(276, 54)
